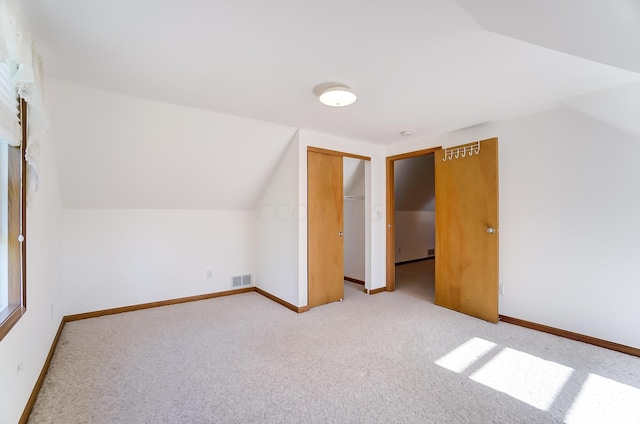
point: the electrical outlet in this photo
(501, 289)
(399, 249)
(20, 367)
(209, 274)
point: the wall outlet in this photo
(209, 274)
(399, 249)
(501, 289)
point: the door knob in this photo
(340, 233)
(491, 230)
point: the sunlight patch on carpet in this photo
(465, 355)
(525, 377)
(604, 400)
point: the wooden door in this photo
(325, 228)
(466, 183)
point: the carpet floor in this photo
(388, 358)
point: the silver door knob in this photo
(491, 230)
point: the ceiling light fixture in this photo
(337, 96)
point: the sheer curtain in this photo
(20, 73)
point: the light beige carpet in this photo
(387, 358)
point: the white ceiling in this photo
(123, 152)
(426, 66)
(602, 31)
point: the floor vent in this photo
(241, 280)
(236, 281)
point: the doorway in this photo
(414, 223)
(391, 210)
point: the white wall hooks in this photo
(456, 152)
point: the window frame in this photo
(17, 225)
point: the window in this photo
(20, 87)
(12, 223)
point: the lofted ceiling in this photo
(165, 104)
(425, 66)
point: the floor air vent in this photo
(236, 281)
(241, 280)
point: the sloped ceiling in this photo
(602, 31)
(414, 184)
(353, 177)
(424, 66)
(118, 151)
(605, 32)
(427, 67)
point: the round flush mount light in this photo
(337, 96)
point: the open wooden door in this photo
(325, 228)
(466, 185)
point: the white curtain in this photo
(9, 124)
(22, 64)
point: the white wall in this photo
(122, 257)
(414, 207)
(28, 343)
(156, 194)
(415, 234)
(354, 239)
(569, 228)
(279, 213)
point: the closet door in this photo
(466, 182)
(325, 228)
